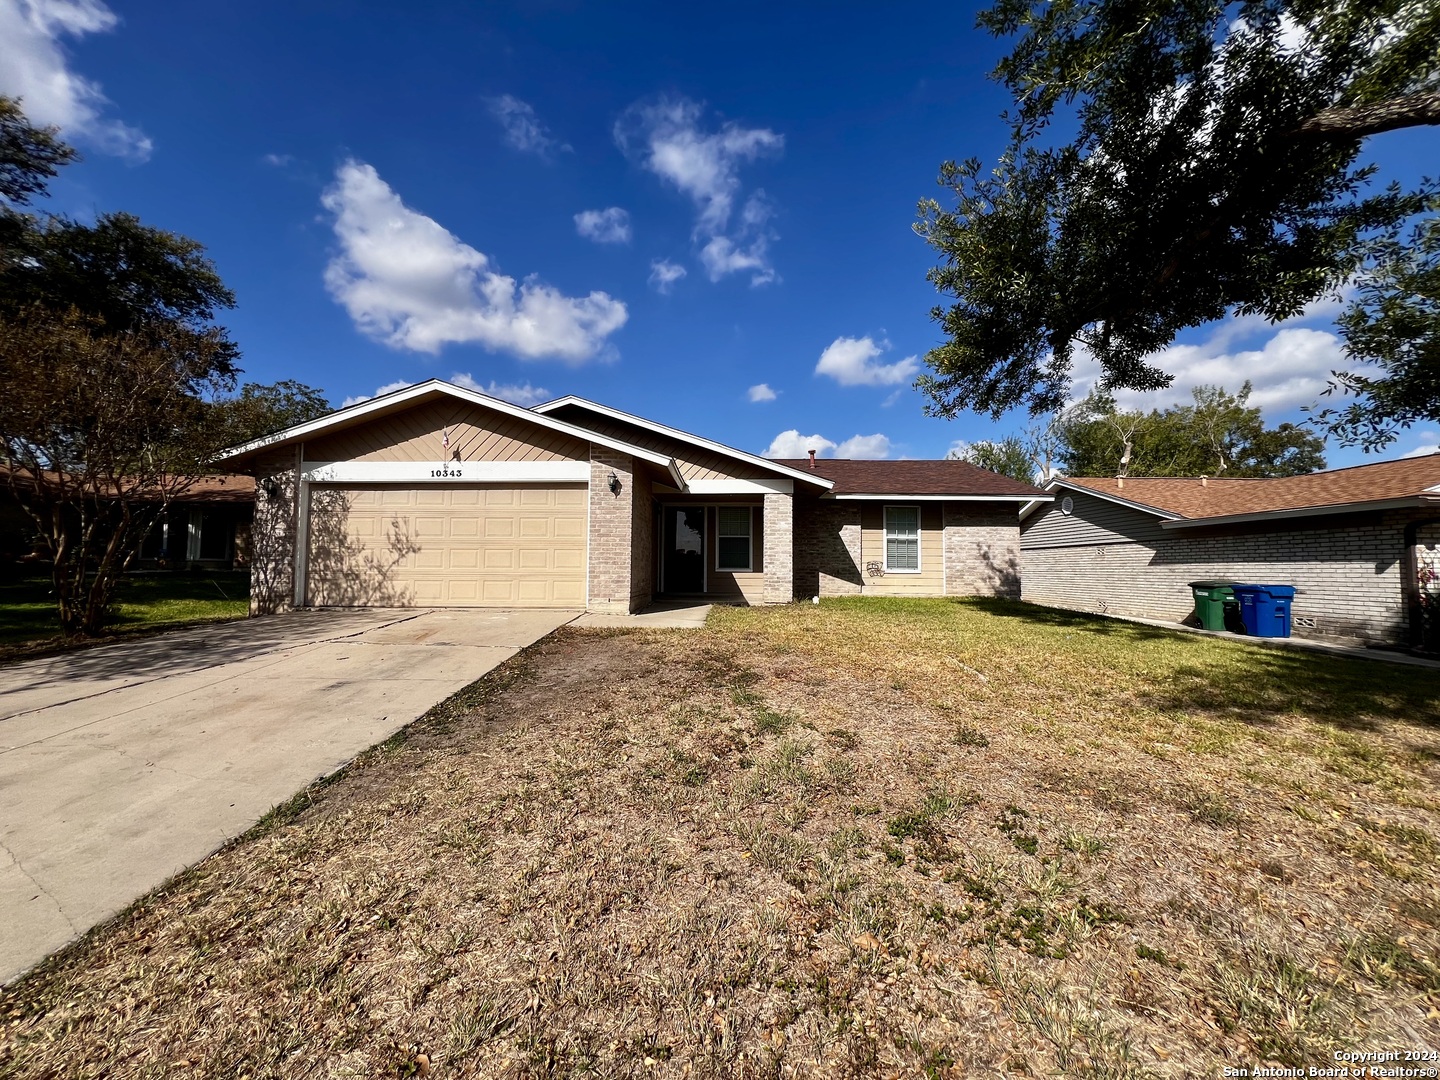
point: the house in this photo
(205, 525)
(1354, 542)
(439, 495)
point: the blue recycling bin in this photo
(1265, 609)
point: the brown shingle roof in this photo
(1186, 497)
(958, 478)
(228, 487)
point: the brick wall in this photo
(982, 550)
(779, 516)
(827, 549)
(272, 543)
(642, 541)
(612, 527)
(1346, 569)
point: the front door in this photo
(684, 554)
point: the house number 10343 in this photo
(445, 472)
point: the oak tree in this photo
(1170, 162)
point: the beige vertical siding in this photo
(930, 581)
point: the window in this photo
(732, 538)
(902, 539)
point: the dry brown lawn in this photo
(861, 839)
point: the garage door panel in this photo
(447, 545)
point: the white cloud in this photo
(608, 226)
(1427, 447)
(514, 393)
(667, 138)
(523, 129)
(864, 446)
(664, 274)
(791, 444)
(36, 70)
(761, 392)
(380, 391)
(279, 161)
(1289, 369)
(408, 282)
(851, 362)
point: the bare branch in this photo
(1360, 121)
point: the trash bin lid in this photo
(1217, 584)
(1278, 592)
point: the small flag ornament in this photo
(445, 439)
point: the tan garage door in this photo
(471, 546)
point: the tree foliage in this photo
(1008, 457)
(110, 359)
(1219, 434)
(30, 156)
(262, 409)
(1393, 329)
(1214, 168)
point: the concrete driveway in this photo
(121, 765)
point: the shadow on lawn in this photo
(1072, 620)
(1254, 684)
(1355, 694)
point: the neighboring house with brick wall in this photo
(438, 495)
(204, 524)
(1354, 542)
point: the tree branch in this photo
(1359, 121)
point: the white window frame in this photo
(749, 567)
(919, 538)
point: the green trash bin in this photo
(1210, 600)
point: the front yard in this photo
(144, 602)
(869, 838)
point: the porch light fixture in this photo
(270, 487)
(613, 483)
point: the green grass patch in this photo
(143, 602)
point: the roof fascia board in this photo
(683, 436)
(1300, 511)
(399, 397)
(943, 498)
(1143, 507)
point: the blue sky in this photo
(696, 213)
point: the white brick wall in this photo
(779, 516)
(612, 527)
(1346, 571)
(827, 549)
(982, 551)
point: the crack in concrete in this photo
(36, 882)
